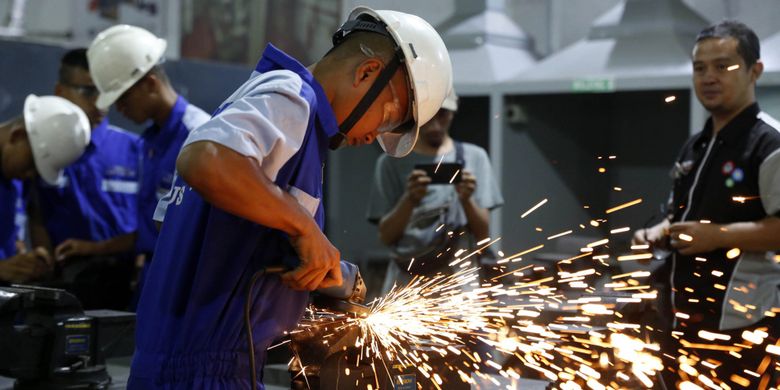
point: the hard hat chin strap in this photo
(368, 99)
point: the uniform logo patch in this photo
(733, 174)
(727, 167)
(120, 171)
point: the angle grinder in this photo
(346, 298)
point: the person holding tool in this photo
(97, 200)
(248, 197)
(50, 135)
(126, 65)
(86, 217)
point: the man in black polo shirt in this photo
(723, 225)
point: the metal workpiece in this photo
(328, 353)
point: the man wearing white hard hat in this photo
(88, 218)
(410, 208)
(51, 134)
(249, 196)
(125, 64)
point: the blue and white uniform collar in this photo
(273, 59)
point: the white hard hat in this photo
(428, 67)
(119, 57)
(451, 101)
(58, 131)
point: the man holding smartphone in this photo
(411, 198)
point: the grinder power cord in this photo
(348, 297)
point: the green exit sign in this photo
(593, 85)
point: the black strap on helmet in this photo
(363, 22)
(368, 99)
(367, 23)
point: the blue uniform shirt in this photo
(97, 197)
(190, 324)
(161, 146)
(9, 199)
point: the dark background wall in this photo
(32, 68)
(556, 153)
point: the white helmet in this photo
(58, 131)
(428, 67)
(119, 57)
(451, 101)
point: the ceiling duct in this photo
(486, 46)
(639, 44)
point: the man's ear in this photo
(149, 83)
(18, 132)
(756, 70)
(58, 89)
(367, 70)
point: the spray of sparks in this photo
(448, 318)
(526, 321)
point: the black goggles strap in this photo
(368, 99)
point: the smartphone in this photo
(446, 173)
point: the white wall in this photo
(434, 11)
(555, 24)
(761, 15)
(72, 23)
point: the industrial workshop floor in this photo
(276, 378)
(119, 369)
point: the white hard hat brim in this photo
(105, 100)
(49, 175)
(45, 171)
(451, 101)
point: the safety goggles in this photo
(392, 116)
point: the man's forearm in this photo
(478, 219)
(762, 235)
(114, 245)
(39, 236)
(238, 185)
(393, 224)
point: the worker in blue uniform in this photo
(50, 135)
(125, 63)
(248, 195)
(90, 213)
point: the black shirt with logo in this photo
(716, 179)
